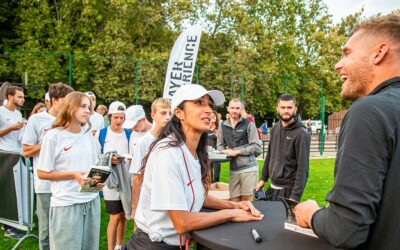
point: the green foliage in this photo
(263, 45)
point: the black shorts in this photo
(114, 207)
(140, 240)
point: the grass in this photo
(319, 183)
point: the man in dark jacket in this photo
(238, 138)
(286, 163)
(364, 202)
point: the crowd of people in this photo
(163, 174)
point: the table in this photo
(271, 228)
(216, 160)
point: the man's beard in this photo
(357, 83)
(17, 104)
(287, 119)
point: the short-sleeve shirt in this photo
(166, 187)
(63, 151)
(11, 141)
(38, 125)
(139, 152)
(114, 142)
(135, 136)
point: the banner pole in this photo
(137, 82)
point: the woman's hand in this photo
(81, 178)
(240, 215)
(248, 206)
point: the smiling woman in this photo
(176, 177)
(67, 152)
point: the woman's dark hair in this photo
(216, 119)
(174, 129)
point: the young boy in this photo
(161, 114)
(36, 128)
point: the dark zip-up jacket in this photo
(286, 163)
(364, 203)
(244, 137)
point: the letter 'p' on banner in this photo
(182, 60)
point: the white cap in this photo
(190, 92)
(132, 115)
(90, 94)
(116, 108)
(47, 96)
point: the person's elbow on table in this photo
(304, 212)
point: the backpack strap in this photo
(102, 138)
(128, 133)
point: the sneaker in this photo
(117, 247)
(13, 233)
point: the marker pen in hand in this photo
(256, 235)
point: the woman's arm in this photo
(61, 176)
(185, 221)
(215, 203)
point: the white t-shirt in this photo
(63, 151)
(165, 187)
(139, 152)
(11, 141)
(37, 126)
(135, 136)
(97, 121)
(114, 142)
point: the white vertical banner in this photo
(182, 60)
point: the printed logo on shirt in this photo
(67, 148)
(46, 129)
(190, 183)
(289, 138)
(106, 141)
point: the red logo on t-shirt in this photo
(67, 148)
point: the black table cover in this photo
(271, 228)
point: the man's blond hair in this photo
(160, 103)
(381, 26)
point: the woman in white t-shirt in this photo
(68, 151)
(176, 177)
(117, 200)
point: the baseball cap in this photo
(116, 108)
(90, 94)
(47, 96)
(132, 115)
(190, 92)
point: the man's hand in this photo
(17, 126)
(304, 212)
(231, 152)
(259, 185)
(116, 160)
